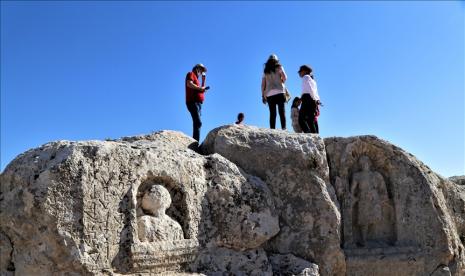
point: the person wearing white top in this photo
(310, 100)
(273, 90)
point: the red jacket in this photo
(193, 95)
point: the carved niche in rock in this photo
(371, 208)
(160, 244)
(155, 225)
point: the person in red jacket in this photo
(195, 95)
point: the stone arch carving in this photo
(161, 238)
(154, 225)
(371, 207)
(385, 233)
(177, 210)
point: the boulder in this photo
(249, 201)
(75, 207)
(295, 169)
(289, 264)
(395, 215)
(6, 251)
(220, 261)
(458, 179)
(454, 194)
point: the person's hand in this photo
(263, 100)
(202, 89)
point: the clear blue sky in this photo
(94, 70)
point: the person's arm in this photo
(381, 187)
(283, 74)
(263, 89)
(352, 190)
(192, 85)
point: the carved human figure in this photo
(155, 225)
(368, 189)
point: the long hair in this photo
(294, 102)
(271, 65)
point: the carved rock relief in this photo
(367, 205)
(371, 208)
(160, 244)
(154, 225)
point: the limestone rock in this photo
(73, 207)
(6, 251)
(441, 271)
(455, 199)
(258, 202)
(414, 231)
(295, 169)
(289, 264)
(223, 261)
(241, 206)
(459, 180)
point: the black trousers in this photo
(195, 111)
(307, 115)
(273, 101)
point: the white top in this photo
(309, 87)
(276, 76)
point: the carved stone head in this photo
(365, 163)
(156, 200)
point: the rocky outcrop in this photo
(290, 265)
(396, 217)
(255, 202)
(459, 180)
(76, 206)
(6, 250)
(454, 193)
(295, 168)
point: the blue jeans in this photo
(195, 110)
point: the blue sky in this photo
(93, 70)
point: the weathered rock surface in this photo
(455, 199)
(74, 207)
(224, 261)
(291, 265)
(399, 222)
(258, 202)
(6, 249)
(294, 167)
(459, 179)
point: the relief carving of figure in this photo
(369, 194)
(155, 225)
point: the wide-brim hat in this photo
(201, 66)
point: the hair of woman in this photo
(271, 65)
(295, 101)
